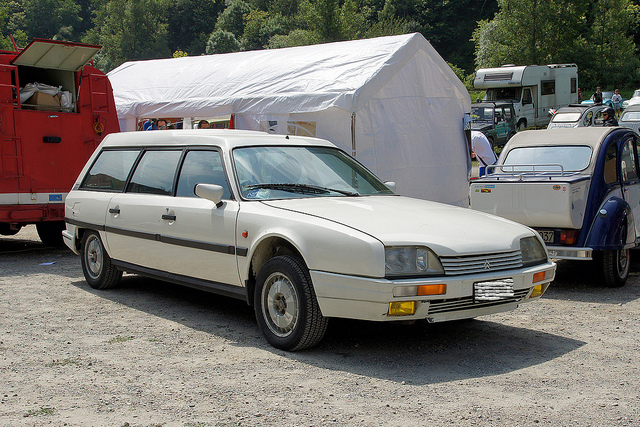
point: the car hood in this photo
(397, 220)
(481, 126)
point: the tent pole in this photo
(353, 134)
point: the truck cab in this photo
(54, 111)
(579, 188)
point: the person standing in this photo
(597, 96)
(616, 100)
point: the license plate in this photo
(494, 290)
(547, 236)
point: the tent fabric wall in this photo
(407, 102)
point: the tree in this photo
(51, 18)
(232, 19)
(222, 41)
(130, 30)
(592, 34)
(191, 22)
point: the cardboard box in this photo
(43, 101)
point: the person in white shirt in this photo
(616, 100)
(481, 147)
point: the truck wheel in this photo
(6, 230)
(614, 266)
(522, 125)
(96, 263)
(285, 304)
(50, 233)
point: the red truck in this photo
(54, 111)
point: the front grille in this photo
(484, 263)
(468, 303)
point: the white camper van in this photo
(533, 89)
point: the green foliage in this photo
(51, 18)
(591, 34)
(232, 19)
(294, 38)
(222, 41)
(191, 22)
(130, 30)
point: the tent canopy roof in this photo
(277, 81)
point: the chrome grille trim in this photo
(468, 303)
(478, 263)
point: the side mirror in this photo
(210, 192)
(391, 185)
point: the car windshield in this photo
(281, 172)
(572, 158)
(482, 114)
(607, 95)
(496, 94)
(566, 117)
(631, 116)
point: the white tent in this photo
(392, 102)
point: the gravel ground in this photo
(151, 354)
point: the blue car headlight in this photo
(403, 261)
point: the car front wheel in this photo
(96, 263)
(615, 267)
(285, 304)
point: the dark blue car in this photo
(579, 188)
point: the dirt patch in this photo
(151, 353)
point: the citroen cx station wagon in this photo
(295, 227)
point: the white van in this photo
(533, 89)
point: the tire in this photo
(50, 233)
(522, 125)
(286, 307)
(96, 263)
(614, 267)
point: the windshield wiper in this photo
(301, 188)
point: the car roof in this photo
(579, 108)
(633, 107)
(591, 136)
(224, 138)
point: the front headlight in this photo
(532, 251)
(411, 261)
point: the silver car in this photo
(631, 118)
(577, 115)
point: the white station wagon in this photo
(295, 227)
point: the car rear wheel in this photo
(614, 266)
(285, 304)
(96, 263)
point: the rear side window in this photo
(110, 170)
(155, 172)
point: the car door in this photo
(629, 177)
(136, 217)
(501, 125)
(199, 238)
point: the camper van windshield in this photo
(503, 93)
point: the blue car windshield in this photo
(572, 158)
(284, 172)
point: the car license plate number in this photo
(547, 236)
(494, 290)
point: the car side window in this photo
(587, 118)
(597, 120)
(610, 164)
(155, 173)
(628, 162)
(201, 167)
(110, 170)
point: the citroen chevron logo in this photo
(487, 266)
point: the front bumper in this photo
(369, 298)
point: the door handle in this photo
(114, 210)
(169, 217)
